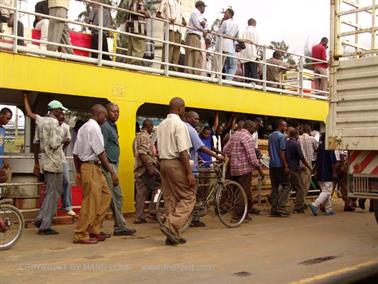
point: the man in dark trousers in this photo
(294, 156)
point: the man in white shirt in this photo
(250, 37)
(196, 25)
(90, 157)
(178, 183)
(58, 30)
(171, 11)
(228, 28)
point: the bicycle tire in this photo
(21, 226)
(236, 219)
(160, 211)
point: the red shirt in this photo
(319, 52)
(241, 149)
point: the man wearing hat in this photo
(48, 135)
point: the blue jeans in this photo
(66, 194)
(230, 66)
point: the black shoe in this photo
(125, 232)
(277, 214)
(140, 221)
(169, 242)
(37, 223)
(254, 211)
(283, 212)
(197, 224)
(361, 203)
(48, 232)
(170, 235)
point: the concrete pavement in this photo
(266, 250)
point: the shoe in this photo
(125, 232)
(48, 232)
(71, 213)
(171, 236)
(140, 221)
(37, 223)
(276, 214)
(314, 210)
(330, 213)
(283, 212)
(105, 235)
(254, 211)
(98, 237)
(349, 209)
(86, 242)
(298, 211)
(169, 242)
(197, 224)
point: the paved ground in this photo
(266, 250)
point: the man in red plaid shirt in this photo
(241, 149)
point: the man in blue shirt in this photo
(294, 157)
(192, 121)
(279, 171)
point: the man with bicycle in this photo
(192, 121)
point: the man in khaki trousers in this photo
(178, 183)
(89, 157)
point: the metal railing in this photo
(295, 87)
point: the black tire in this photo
(10, 214)
(231, 204)
(375, 207)
(160, 212)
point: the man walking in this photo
(279, 171)
(89, 156)
(110, 133)
(178, 183)
(171, 11)
(319, 52)
(59, 31)
(326, 168)
(196, 25)
(241, 149)
(5, 116)
(146, 173)
(49, 136)
(251, 38)
(294, 157)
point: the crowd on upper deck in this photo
(222, 49)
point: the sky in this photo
(295, 21)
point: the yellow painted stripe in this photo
(335, 273)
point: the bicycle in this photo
(12, 224)
(229, 199)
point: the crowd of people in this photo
(230, 41)
(182, 153)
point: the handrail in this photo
(216, 75)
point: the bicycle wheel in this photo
(160, 212)
(231, 204)
(12, 226)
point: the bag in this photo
(240, 45)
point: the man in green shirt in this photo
(110, 133)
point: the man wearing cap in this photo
(196, 25)
(48, 134)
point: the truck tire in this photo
(375, 205)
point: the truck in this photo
(352, 123)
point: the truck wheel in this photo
(375, 205)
